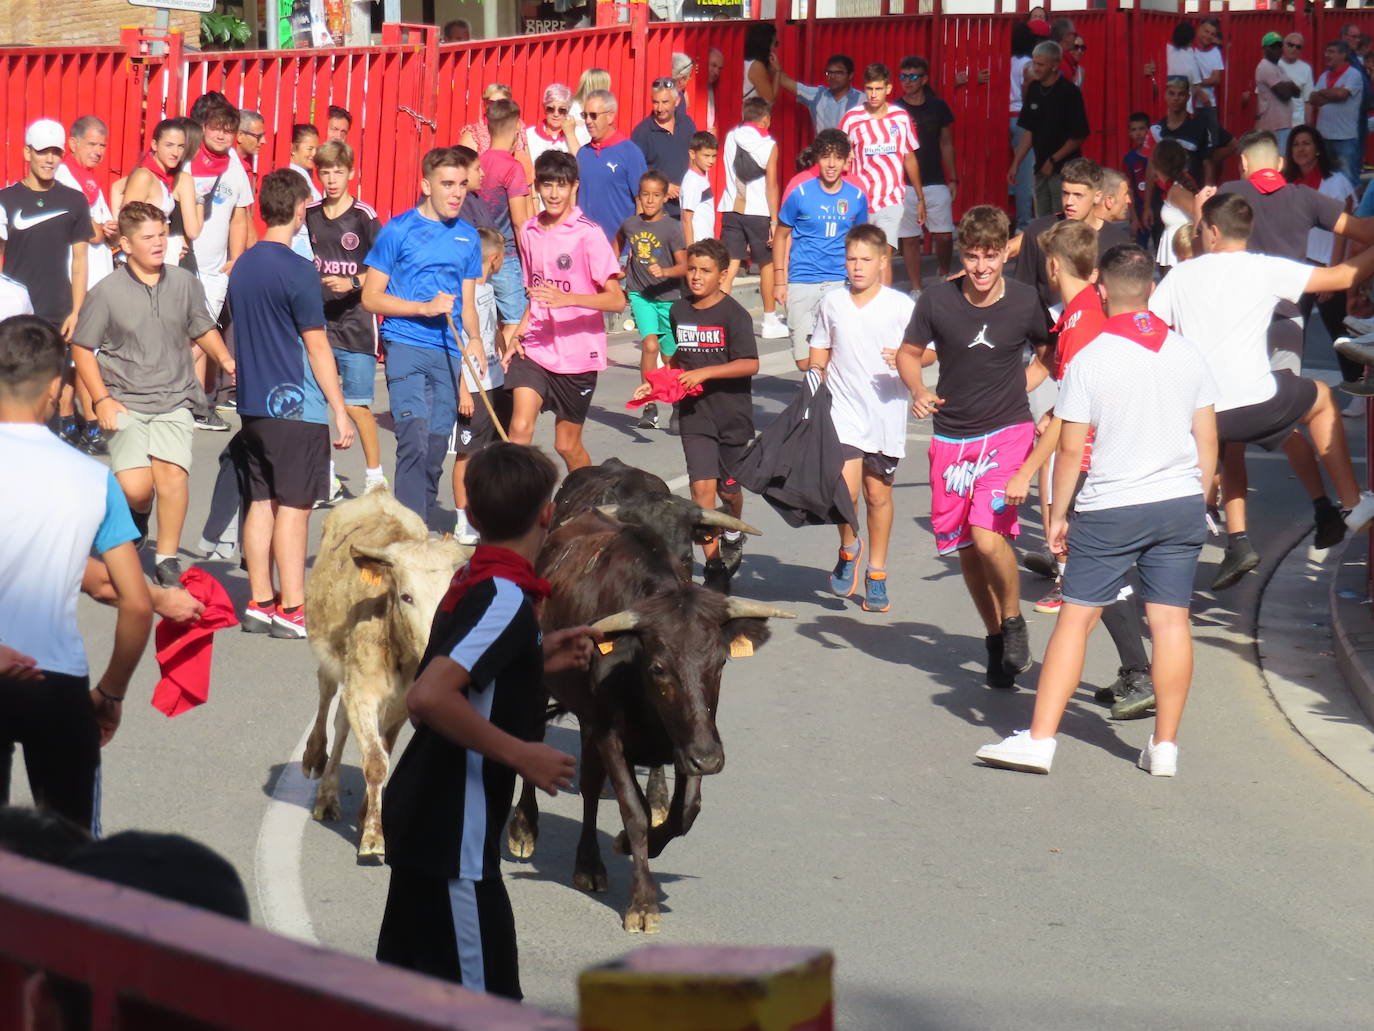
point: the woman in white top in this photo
(1168, 172)
(592, 79)
(556, 131)
(761, 72)
(160, 180)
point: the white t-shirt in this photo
(1300, 72)
(1183, 64)
(234, 192)
(869, 402)
(697, 198)
(1224, 302)
(99, 257)
(14, 298)
(69, 505)
(1208, 61)
(757, 145)
(1320, 241)
(1340, 120)
(1018, 81)
(1140, 404)
(300, 243)
(485, 298)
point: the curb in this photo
(1354, 646)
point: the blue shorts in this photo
(1162, 540)
(357, 376)
(509, 287)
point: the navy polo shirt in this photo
(665, 151)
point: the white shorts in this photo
(939, 212)
(889, 220)
(216, 286)
(803, 301)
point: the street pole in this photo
(162, 23)
(391, 11)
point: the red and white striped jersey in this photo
(880, 144)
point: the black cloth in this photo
(1030, 261)
(929, 118)
(665, 151)
(1194, 137)
(652, 243)
(982, 374)
(340, 245)
(1053, 115)
(427, 817)
(568, 395)
(797, 463)
(41, 226)
(710, 336)
(1271, 422)
(54, 720)
(285, 460)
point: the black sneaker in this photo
(1016, 656)
(211, 421)
(997, 676)
(1109, 694)
(1330, 525)
(141, 525)
(71, 433)
(1239, 559)
(1137, 699)
(93, 441)
(717, 577)
(1041, 563)
(648, 417)
(168, 573)
(732, 553)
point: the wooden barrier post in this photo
(701, 988)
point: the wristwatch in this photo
(357, 283)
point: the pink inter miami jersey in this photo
(574, 257)
(880, 144)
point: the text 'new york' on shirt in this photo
(425, 257)
(716, 335)
(340, 244)
(982, 355)
(572, 256)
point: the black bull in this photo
(649, 700)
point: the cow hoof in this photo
(372, 846)
(326, 809)
(312, 763)
(521, 836)
(591, 880)
(642, 919)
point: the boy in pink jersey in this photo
(572, 276)
(884, 142)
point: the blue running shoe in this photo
(844, 579)
(875, 592)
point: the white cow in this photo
(369, 603)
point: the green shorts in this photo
(651, 319)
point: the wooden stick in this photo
(476, 377)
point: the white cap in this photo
(44, 134)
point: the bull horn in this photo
(710, 517)
(609, 511)
(625, 619)
(743, 608)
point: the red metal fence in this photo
(411, 92)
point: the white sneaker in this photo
(380, 483)
(773, 327)
(1358, 349)
(1361, 515)
(1159, 760)
(1020, 752)
(467, 536)
(1359, 326)
(1355, 408)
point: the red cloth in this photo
(488, 562)
(1311, 178)
(184, 650)
(207, 163)
(85, 178)
(1266, 180)
(155, 166)
(1078, 327)
(666, 387)
(1143, 327)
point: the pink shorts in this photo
(968, 480)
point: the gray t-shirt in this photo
(142, 338)
(651, 243)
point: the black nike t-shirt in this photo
(982, 371)
(715, 336)
(340, 245)
(1030, 261)
(40, 226)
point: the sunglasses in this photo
(1079, 46)
(837, 71)
(912, 76)
(664, 83)
(549, 109)
(1295, 46)
(592, 116)
(256, 135)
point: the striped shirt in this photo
(880, 145)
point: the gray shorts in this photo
(1162, 540)
(140, 438)
(889, 220)
(803, 301)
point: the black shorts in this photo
(285, 460)
(477, 432)
(709, 458)
(1269, 423)
(54, 721)
(460, 931)
(746, 236)
(567, 394)
(880, 466)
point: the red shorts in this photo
(968, 482)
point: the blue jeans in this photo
(1025, 179)
(1345, 155)
(509, 286)
(423, 385)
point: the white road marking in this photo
(277, 863)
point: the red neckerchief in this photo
(546, 137)
(206, 163)
(1165, 185)
(488, 562)
(609, 141)
(152, 164)
(85, 178)
(1312, 178)
(1143, 327)
(1266, 180)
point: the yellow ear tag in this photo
(605, 647)
(741, 647)
(367, 576)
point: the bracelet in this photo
(108, 697)
(98, 400)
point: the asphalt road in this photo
(851, 814)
